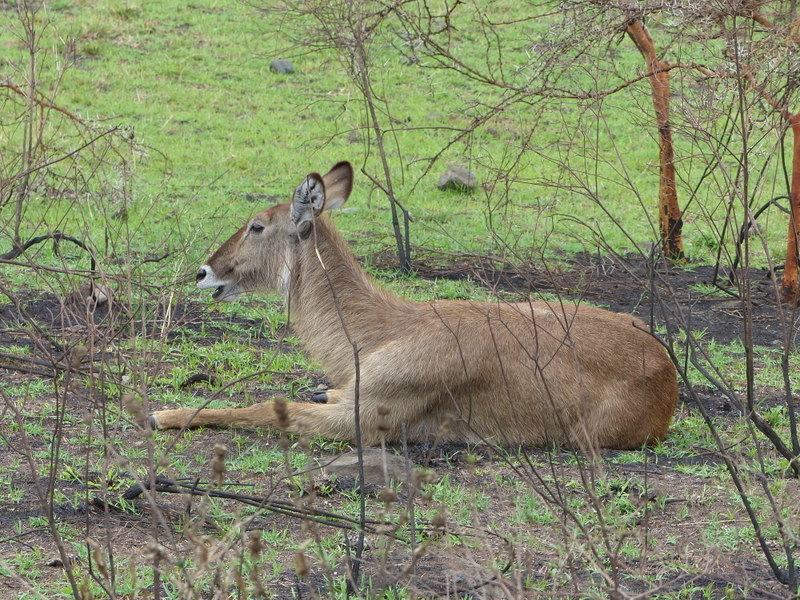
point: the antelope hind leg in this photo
(332, 421)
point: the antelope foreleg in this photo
(333, 421)
(257, 415)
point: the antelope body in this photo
(527, 373)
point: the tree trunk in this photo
(669, 213)
(789, 285)
(791, 293)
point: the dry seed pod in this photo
(218, 464)
(77, 355)
(87, 417)
(200, 546)
(281, 413)
(239, 581)
(258, 587)
(383, 423)
(133, 406)
(97, 557)
(422, 477)
(86, 589)
(100, 562)
(301, 564)
(447, 423)
(155, 552)
(254, 545)
(388, 495)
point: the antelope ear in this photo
(338, 185)
(309, 199)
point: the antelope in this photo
(533, 373)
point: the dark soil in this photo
(666, 294)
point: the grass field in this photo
(216, 132)
(184, 131)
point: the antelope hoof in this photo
(320, 396)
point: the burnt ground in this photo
(698, 296)
(678, 504)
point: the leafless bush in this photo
(730, 122)
(350, 30)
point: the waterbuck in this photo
(526, 373)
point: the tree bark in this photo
(669, 213)
(790, 286)
(791, 293)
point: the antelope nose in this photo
(201, 274)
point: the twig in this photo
(280, 507)
(16, 538)
(16, 89)
(57, 236)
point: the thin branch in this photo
(43, 103)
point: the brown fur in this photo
(531, 373)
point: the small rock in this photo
(58, 563)
(457, 178)
(731, 304)
(282, 66)
(89, 293)
(256, 197)
(346, 466)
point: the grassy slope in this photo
(191, 80)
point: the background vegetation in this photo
(135, 136)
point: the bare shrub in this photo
(349, 29)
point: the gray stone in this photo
(89, 293)
(457, 178)
(282, 65)
(377, 466)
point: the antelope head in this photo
(260, 256)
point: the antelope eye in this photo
(256, 227)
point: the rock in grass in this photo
(345, 466)
(282, 66)
(457, 178)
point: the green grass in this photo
(31, 388)
(459, 502)
(217, 129)
(727, 362)
(530, 509)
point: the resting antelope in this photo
(527, 373)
